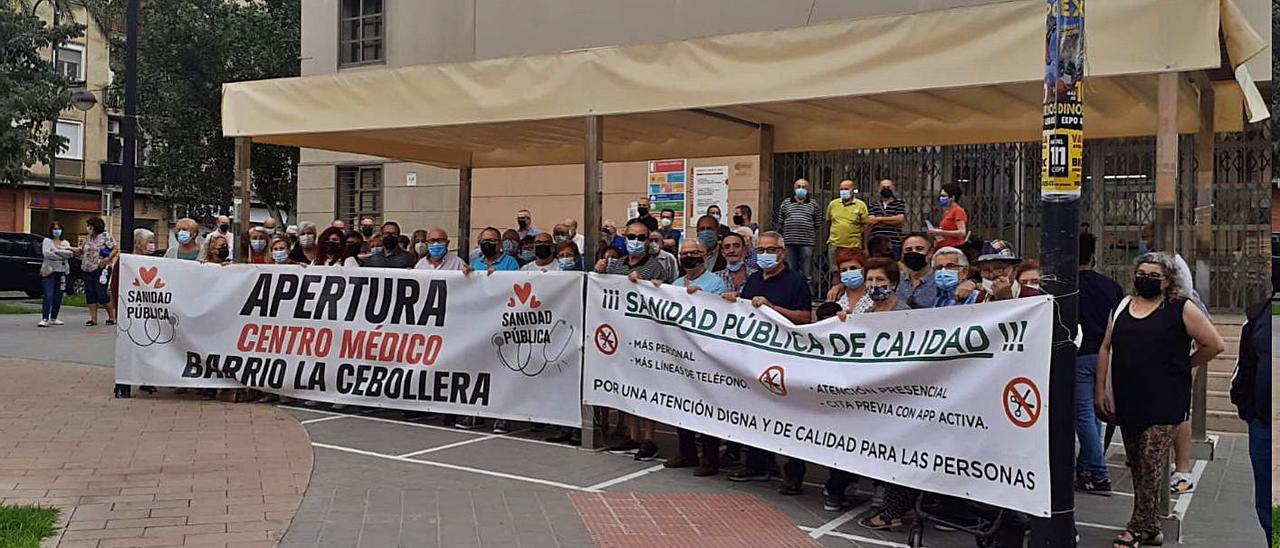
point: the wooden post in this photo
(243, 191)
(764, 209)
(463, 237)
(592, 218)
(1166, 160)
(1201, 447)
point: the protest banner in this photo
(948, 400)
(506, 346)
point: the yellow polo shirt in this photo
(847, 222)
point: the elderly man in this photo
(270, 224)
(886, 215)
(950, 272)
(848, 217)
(339, 224)
(524, 222)
(544, 255)
(798, 219)
(438, 256)
(996, 264)
(224, 229)
(643, 215)
(571, 225)
(491, 256)
(708, 234)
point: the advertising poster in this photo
(667, 188)
(710, 187)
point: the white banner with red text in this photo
(948, 400)
(506, 345)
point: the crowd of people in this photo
(1133, 367)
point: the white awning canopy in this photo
(962, 75)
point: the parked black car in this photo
(20, 258)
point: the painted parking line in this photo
(323, 419)
(855, 538)
(445, 465)
(459, 444)
(420, 425)
(834, 524)
(625, 478)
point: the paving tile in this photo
(381, 437)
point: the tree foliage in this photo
(31, 93)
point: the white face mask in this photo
(307, 240)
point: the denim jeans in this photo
(52, 286)
(800, 259)
(1260, 455)
(1090, 462)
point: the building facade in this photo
(88, 169)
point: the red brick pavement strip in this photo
(147, 471)
(625, 520)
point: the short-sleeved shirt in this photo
(92, 258)
(924, 295)
(951, 221)
(787, 289)
(847, 222)
(450, 262)
(708, 282)
(400, 259)
(651, 268)
(878, 208)
(506, 263)
(532, 266)
(672, 234)
(726, 276)
(798, 220)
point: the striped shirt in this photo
(879, 209)
(651, 268)
(799, 221)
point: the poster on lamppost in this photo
(1062, 142)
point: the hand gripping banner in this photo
(504, 346)
(950, 400)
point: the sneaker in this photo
(1100, 487)
(43, 323)
(1180, 483)
(704, 471)
(681, 462)
(468, 423)
(56, 321)
(790, 488)
(647, 452)
(750, 475)
(833, 503)
(500, 427)
(624, 447)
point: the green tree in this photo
(31, 93)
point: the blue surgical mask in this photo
(943, 202)
(509, 247)
(636, 247)
(946, 279)
(845, 194)
(437, 249)
(257, 245)
(566, 263)
(851, 279)
(527, 255)
(708, 238)
(716, 216)
(801, 193)
(767, 261)
(280, 256)
(184, 237)
(734, 267)
(57, 233)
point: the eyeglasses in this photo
(634, 237)
(692, 255)
(438, 241)
(489, 241)
(1149, 275)
(770, 250)
(952, 267)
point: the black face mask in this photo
(542, 251)
(223, 253)
(332, 248)
(886, 193)
(914, 261)
(224, 228)
(690, 263)
(390, 241)
(353, 249)
(738, 220)
(488, 249)
(1146, 287)
(642, 211)
(367, 230)
(523, 223)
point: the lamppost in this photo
(82, 100)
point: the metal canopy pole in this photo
(464, 210)
(592, 218)
(129, 132)
(1201, 447)
(763, 211)
(243, 191)
(1166, 161)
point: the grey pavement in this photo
(379, 480)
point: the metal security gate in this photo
(1001, 195)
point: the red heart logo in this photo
(535, 303)
(148, 274)
(159, 284)
(511, 303)
(135, 283)
(523, 291)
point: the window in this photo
(360, 32)
(73, 132)
(115, 142)
(359, 192)
(70, 62)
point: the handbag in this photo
(46, 270)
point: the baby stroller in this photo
(995, 527)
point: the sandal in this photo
(111, 322)
(91, 323)
(878, 522)
(1130, 539)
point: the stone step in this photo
(1225, 421)
(1219, 381)
(1219, 400)
(1225, 363)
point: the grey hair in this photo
(142, 234)
(1177, 287)
(304, 225)
(960, 258)
(772, 234)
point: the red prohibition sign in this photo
(606, 339)
(1022, 403)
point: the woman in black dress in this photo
(1144, 381)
